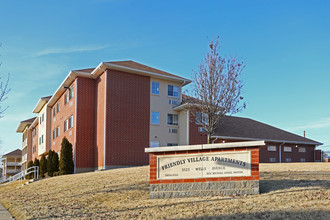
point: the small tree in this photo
(56, 162)
(66, 158)
(36, 162)
(216, 89)
(30, 164)
(51, 163)
(43, 166)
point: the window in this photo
(155, 118)
(173, 130)
(201, 129)
(39, 140)
(287, 159)
(66, 125)
(302, 150)
(302, 159)
(71, 121)
(155, 88)
(40, 120)
(271, 148)
(54, 111)
(272, 159)
(43, 117)
(66, 97)
(201, 118)
(58, 107)
(172, 119)
(154, 143)
(34, 149)
(54, 133)
(287, 149)
(173, 102)
(71, 92)
(172, 144)
(173, 91)
(58, 131)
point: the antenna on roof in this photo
(304, 133)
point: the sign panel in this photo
(204, 165)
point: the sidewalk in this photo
(4, 214)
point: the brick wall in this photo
(85, 123)
(66, 110)
(35, 142)
(128, 116)
(99, 121)
(195, 137)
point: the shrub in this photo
(43, 166)
(58, 173)
(30, 176)
(66, 159)
(52, 163)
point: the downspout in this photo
(105, 114)
(280, 152)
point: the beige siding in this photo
(160, 103)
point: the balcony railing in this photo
(14, 163)
(24, 143)
(13, 170)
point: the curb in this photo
(4, 214)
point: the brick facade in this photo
(128, 118)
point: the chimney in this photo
(304, 133)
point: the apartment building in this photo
(11, 163)
(110, 114)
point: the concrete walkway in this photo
(4, 214)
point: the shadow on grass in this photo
(315, 214)
(283, 181)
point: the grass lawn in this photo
(287, 191)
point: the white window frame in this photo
(66, 124)
(287, 149)
(154, 116)
(71, 121)
(271, 148)
(155, 88)
(66, 97)
(302, 149)
(173, 130)
(172, 119)
(201, 118)
(58, 131)
(58, 107)
(71, 92)
(174, 93)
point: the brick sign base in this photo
(204, 170)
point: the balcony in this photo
(24, 143)
(17, 164)
(24, 158)
(13, 170)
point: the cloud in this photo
(321, 123)
(50, 51)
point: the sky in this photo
(285, 46)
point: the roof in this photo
(16, 152)
(139, 66)
(42, 101)
(24, 124)
(125, 66)
(248, 129)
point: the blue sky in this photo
(284, 44)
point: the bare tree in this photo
(4, 90)
(216, 89)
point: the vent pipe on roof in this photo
(304, 133)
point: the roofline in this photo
(73, 74)
(34, 123)
(40, 104)
(268, 140)
(23, 124)
(104, 65)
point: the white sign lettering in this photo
(204, 165)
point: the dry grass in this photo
(288, 191)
